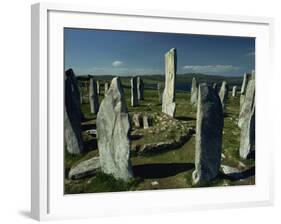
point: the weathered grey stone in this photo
(246, 79)
(93, 96)
(223, 94)
(234, 91)
(98, 87)
(160, 89)
(137, 120)
(249, 100)
(105, 88)
(112, 133)
(72, 115)
(168, 102)
(194, 92)
(208, 143)
(247, 121)
(216, 87)
(140, 88)
(134, 92)
(146, 121)
(84, 169)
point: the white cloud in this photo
(210, 68)
(117, 63)
(250, 54)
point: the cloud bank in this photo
(211, 69)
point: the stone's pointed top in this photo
(112, 133)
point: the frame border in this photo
(40, 85)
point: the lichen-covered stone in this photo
(168, 102)
(223, 94)
(93, 96)
(140, 88)
(234, 91)
(134, 92)
(160, 89)
(208, 140)
(72, 115)
(112, 133)
(247, 121)
(84, 169)
(194, 92)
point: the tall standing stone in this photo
(234, 91)
(168, 102)
(215, 87)
(223, 94)
(140, 88)
(93, 96)
(105, 88)
(248, 101)
(98, 87)
(247, 121)
(134, 92)
(208, 144)
(72, 115)
(160, 89)
(112, 133)
(194, 92)
(246, 79)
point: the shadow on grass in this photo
(90, 145)
(239, 175)
(161, 170)
(185, 118)
(86, 127)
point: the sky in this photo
(126, 53)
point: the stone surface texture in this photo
(140, 88)
(208, 140)
(93, 96)
(134, 92)
(247, 121)
(168, 102)
(194, 92)
(84, 169)
(112, 133)
(72, 115)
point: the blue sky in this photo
(102, 52)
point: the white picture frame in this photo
(48, 201)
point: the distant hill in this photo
(181, 78)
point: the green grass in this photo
(171, 169)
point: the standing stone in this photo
(112, 133)
(249, 102)
(146, 122)
(98, 87)
(234, 91)
(105, 88)
(246, 79)
(160, 91)
(137, 120)
(134, 92)
(194, 92)
(209, 127)
(93, 96)
(215, 87)
(72, 115)
(168, 102)
(140, 88)
(247, 136)
(223, 94)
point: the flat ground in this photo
(165, 169)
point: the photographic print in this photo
(151, 111)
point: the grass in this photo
(168, 169)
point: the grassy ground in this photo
(162, 170)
